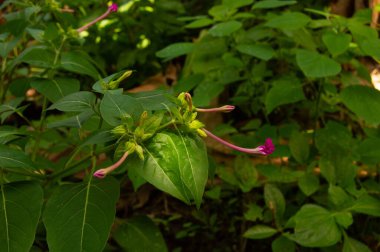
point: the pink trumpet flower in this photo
(101, 173)
(225, 108)
(265, 149)
(112, 8)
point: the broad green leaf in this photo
(139, 234)
(78, 217)
(275, 201)
(367, 205)
(352, 245)
(115, 106)
(55, 89)
(369, 150)
(153, 100)
(371, 47)
(364, 102)
(361, 31)
(283, 244)
(78, 63)
(76, 121)
(315, 227)
(225, 28)
(175, 50)
(199, 23)
(284, 91)
(308, 184)
(261, 51)
(176, 164)
(12, 158)
(20, 208)
(39, 56)
(315, 65)
(268, 4)
(289, 21)
(79, 101)
(259, 232)
(299, 146)
(336, 43)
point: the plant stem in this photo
(166, 125)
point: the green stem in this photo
(167, 124)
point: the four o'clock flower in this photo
(101, 173)
(225, 109)
(265, 149)
(112, 8)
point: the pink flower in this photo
(225, 108)
(266, 149)
(101, 173)
(112, 8)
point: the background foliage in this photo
(296, 72)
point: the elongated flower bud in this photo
(112, 8)
(265, 149)
(101, 173)
(225, 109)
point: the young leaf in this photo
(20, 208)
(140, 234)
(315, 65)
(79, 101)
(78, 217)
(259, 232)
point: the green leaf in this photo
(39, 56)
(364, 102)
(74, 121)
(268, 4)
(259, 232)
(199, 23)
(174, 50)
(78, 217)
(139, 234)
(261, 51)
(315, 227)
(55, 89)
(369, 150)
(289, 21)
(12, 158)
(77, 62)
(114, 106)
(176, 164)
(20, 208)
(275, 201)
(299, 146)
(283, 244)
(237, 3)
(308, 184)
(344, 219)
(371, 47)
(284, 91)
(153, 100)
(253, 213)
(79, 101)
(336, 43)
(245, 173)
(367, 205)
(352, 245)
(7, 47)
(338, 196)
(225, 28)
(11, 107)
(315, 65)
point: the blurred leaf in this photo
(315, 65)
(284, 91)
(81, 214)
(39, 56)
(336, 43)
(367, 205)
(175, 50)
(289, 21)
(369, 150)
(308, 184)
(259, 232)
(299, 146)
(344, 219)
(225, 28)
(371, 47)
(352, 245)
(78, 63)
(237, 3)
(20, 210)
(199, 23)
(364, 102)
(275, 201)
(261, 51)
(79, 101)
(253, 213)
(268, 4)
(245, 173)
(57, 88)
(338, 196)
(136, 179)
(140, 234)
(282, 244)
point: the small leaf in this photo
(268, 4)
(199, 23)
(316, 65)
(284, 91)
(225, 28)
(308, 184)
(363, 101)
(299, 146)
(20, 208)
(289, 21)
(76, 62)
(175, 50)
(352, 245)
(261, 51)
(259, 232)
(78, 217)
(139, 234)
(55, 89)
(336, 43)
(79, 101)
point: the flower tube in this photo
(112, 8)
(101, 173)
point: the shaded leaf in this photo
(12, 158)
(76, 62)
(352, 245)
(289, 21)
(261, 51)
(316, 65)
(79, 101)
(336, 43)
(175, 50)
(308, 184)
(57, 88)
(225, 28)
(259, 232)
(76, 121)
